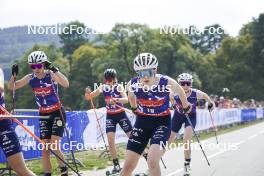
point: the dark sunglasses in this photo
(146, 73)
(36, 66)
(187, 83)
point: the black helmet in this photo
(110, 74)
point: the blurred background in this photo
(228, 65)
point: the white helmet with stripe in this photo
(185, 77)
(145, 61)
(37, 57)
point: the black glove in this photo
(186, 110)
(14, 69)
(210, 106)
(51, 67)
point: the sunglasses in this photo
(146, 73)
(187, 83)
(36, 66)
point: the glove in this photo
(14, 69)
(210, 107)
(51, 67)
(173, 107)
(188, 109)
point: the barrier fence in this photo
(85, 134)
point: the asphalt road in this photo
(239, 153)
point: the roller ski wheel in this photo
(115, 172)
(141, 174)
(187, 169)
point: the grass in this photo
(92, 160)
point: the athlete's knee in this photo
(45, 153)
(153, 162)
(111, 138)
(127, 169)
(24, 172)
(187, 139)
(55, 143)
(55, 139)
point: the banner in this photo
(260, 113)
(248, 115)
(203, 120)
(87, 128)
(77, 122)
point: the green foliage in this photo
(72, 38)
(215, 61)
(208, 40)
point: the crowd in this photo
(227, 102)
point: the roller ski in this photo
(187, 169)
(146, 173)
(116, 170)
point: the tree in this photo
(72, 37)
(208, 40)
(84, 73)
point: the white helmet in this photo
(37, 57)
(185, 77)
(145, 61)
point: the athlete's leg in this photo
(176, 124)
(11, 148)
(155, 153)
(45, 135)
(46, 163)
(136, 144)
(159, 139)
(17, 163)
(55, 142)
(111, 142)
(187, 142)
(57, 131)
(131, 160)
(125, 124)
(111, 122)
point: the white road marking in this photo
(252, 136)
(218, 153)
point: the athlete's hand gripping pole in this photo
(37, 138)
(121, 107)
